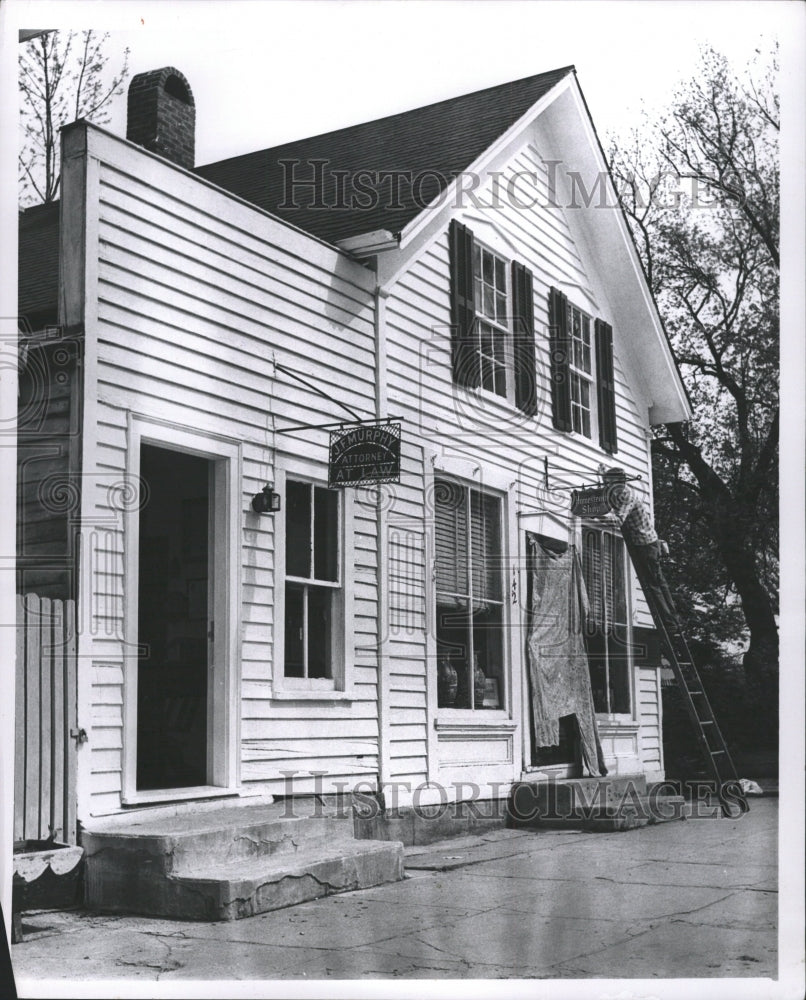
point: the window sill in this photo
(621, 722)
(300, 694)
(492, 719)
(167, 795)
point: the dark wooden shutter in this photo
(606, 386)
(559, 349)
(523, 310)
(464, 356)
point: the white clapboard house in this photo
(194, 334)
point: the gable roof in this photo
(435, 143)
(38, 264)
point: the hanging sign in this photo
(590, 502)
(364, 454)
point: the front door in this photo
(174, 619)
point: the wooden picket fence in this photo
(46, 714)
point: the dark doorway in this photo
(173, 615)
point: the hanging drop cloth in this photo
(558, 663)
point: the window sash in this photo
(316, 528)
(491, 303)
(477, 559)
(580, 364)
(607, 629)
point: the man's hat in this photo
(615, 473)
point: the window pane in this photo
(500, 277)
(619, 583)
(451, 537)
(485, 547)
(487, 267)
(488, 636)
(607, 566)
(597, 664)
(477, 260)
(486, 339)
(618, 670)
(593, 580)
(297, 529)
(501, 308)
(294, 618)
(320, 631)
(489, 308)
(500, 387)
(453, 645)
(326, 534)
(487, 376)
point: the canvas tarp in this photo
(558, 664)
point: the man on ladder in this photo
(645, 550)
(637, 527)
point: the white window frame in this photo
(223, 734)
(502, 328)
(617, 717)
(341, 686)
(576, 373)
(474, 716)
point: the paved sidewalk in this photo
(694, 898)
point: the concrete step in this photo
(231, 862)
(600, 805)
(244, 888)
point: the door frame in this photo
(223, 737)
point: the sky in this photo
(268, 72)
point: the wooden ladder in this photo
(732, 798)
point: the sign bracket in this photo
(316, 389)
(338, 423)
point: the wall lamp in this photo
(267, 501)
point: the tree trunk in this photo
(729, 520)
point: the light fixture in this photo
(267, 501)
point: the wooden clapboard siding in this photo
(45, 715)
(406, 646)
(48, 481)
(490, 433)
(197, 296)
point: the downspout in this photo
(384, 743)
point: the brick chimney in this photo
(162, 115)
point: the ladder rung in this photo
(715, 752)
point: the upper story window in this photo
(313, 589)
(583, 389)
(607, 627)
(492, 322)
(469, 596)
(581, 370)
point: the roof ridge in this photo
(560, 72)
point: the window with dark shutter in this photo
(606, 386)
(464, 356)
(524, 339)
(559, 349)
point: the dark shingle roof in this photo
(443, 139)
(38, 264)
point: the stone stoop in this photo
(601, 805)
(229, 863)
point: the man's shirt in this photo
(632, 515)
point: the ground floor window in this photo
(312, 581)
(606, 630)
(469, 597)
